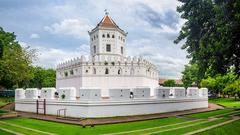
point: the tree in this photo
(233, 88)
(212, 35)
(42, 77)
(169, 83)
(191, 75)
(15, 61)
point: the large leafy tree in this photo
(15, 61)
(169, 83)
(191, 75)
(42, 77)
(212, 35)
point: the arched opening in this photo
(113, 36)
(108, 36)
(106, 71)
(103, 35)
(94, 71)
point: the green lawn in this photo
(227, 102)
(4, 133)
(228, 129)
(205, 115)
(4, 101)
(157, 126)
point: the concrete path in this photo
(10, 131)
(213, 126)
(35, 130)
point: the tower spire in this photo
(106, 12)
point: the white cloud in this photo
(74, 27)
(34, 35)
(169, 62)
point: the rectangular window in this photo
(121, 50)
(108, 48)
(94, 49)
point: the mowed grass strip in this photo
(206, 115)
(19, 130)
(2, 132)
(228, 129)
(228, 114)
(190, 128)
(227, 102)
(18, 126)
(160, 128)
(60, 128)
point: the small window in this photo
(113, 36)
(121, 50)
(108, 48)
(94, 49)
(119, 71)
(66, 74)
(123, 40)
(97, 36)
(108, 36)
(71, 72)
(94, 71)
(86, 71)
(103, 36)
(106, 71)
(94, 37)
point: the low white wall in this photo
(110, 108)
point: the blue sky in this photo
(58, 29)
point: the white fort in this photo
(108, 67)
(108, 83)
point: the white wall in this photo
(114, 108)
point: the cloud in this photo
(73, 27)
(34, 35)
(169, 63)
(152, 25)
(168, 18)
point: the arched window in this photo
(119, 71)
(94, 49)
(121, 50)
(103, 36)
(94, 71)
(106, 71)
(108, 36)
(113, 36)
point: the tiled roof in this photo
(107, 22)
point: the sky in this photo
(58, 29)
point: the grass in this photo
(228, 129)
(226, 102)
(4, 133)
(6, 100)
(3, 111)
(192, 128)
(155, 125)
(205, 115)
(60, 128)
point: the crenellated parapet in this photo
(111, 65)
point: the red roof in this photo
(107, 22)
